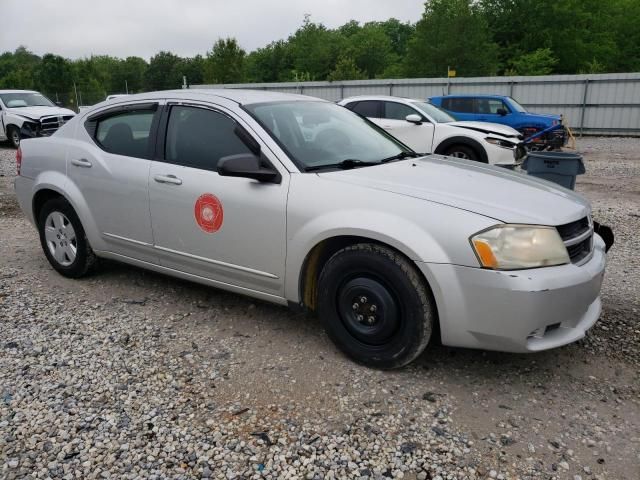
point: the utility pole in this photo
(76, 91)
(126, 87)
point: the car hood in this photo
(494, 192)
(37, 112)
(488, 128)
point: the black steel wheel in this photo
(375, 305)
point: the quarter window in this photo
(461, 105)
(199, 138)
(126, 133)
(368, 108)
(397, 111)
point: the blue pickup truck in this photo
(505, 110)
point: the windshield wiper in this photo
(402, 156)
(343, 165)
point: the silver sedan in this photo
(301, 202)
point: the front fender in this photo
(60, 183)
(444, 145)
(359, 223)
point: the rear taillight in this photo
(18, 160)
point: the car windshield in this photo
(438, 116)
(25, 99)
(321, 134)
(516, 106)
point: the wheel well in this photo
(467, 142)
(323, 251)
(41, 197)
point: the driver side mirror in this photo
(502, 112)
(247, 165)
(414, 118)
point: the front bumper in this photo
(517, 311)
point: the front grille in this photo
(48, 125)
(578, 238)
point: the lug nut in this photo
(371, 320)
(360, 318)
(363, 299)
(355, 306)
(373, 308)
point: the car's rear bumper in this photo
(517, 311)
(24, 192)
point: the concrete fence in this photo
(604, 104)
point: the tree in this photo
(451, 33)
(163, 72)
(346, 69)
(539, 62)
(54, 75)
(225, 62)
(315, 50)
(371, 49)
(272, 63)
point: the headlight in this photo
(513, 247)
(500, 143)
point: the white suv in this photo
(427, 129)
(31, 111)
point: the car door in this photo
(488, 110)
(109, 163)
(418, 136)
(226, 229)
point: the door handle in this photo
(81, 162)
(172, 179)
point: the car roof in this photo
(471, 95)
(240, 96)
(18, 91)
(380, 97)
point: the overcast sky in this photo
(78, 28)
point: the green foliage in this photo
(164, 72)
(539, 62)
(474, 37)
(451, 33)
(346, 69)
(225, 62)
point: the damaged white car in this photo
(31, 113)
(428, 129)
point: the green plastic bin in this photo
(558, 167)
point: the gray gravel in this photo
(129, 374)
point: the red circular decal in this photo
(209, 213)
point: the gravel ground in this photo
(130, 374)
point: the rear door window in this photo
(199, 138)
(461, 105)
(126, 133)
(367, 108)
(397, 111)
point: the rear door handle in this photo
(172, 179)
(81, 162)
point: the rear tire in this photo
(375, 305)
(13, 134)
(63, 239)
(463, 151)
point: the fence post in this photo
(584, 104)
(511, 88)
(341, 91)
(391, 89)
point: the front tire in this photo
(63, 239)
(376, 307)
(463, 151)
(13, 134)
